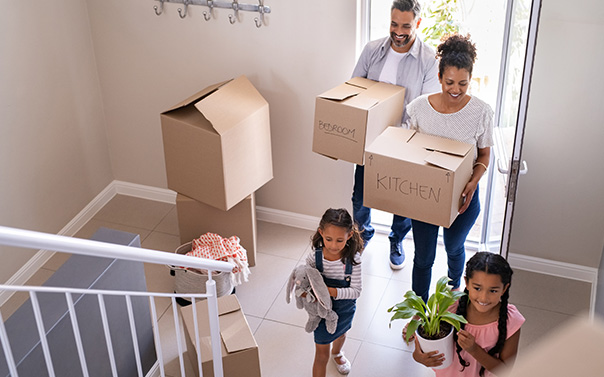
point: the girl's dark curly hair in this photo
(341, 218)
(491, 264)
(456, 51)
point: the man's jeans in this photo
(362, 215)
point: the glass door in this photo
(500, 29)
(509, 159)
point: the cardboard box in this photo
(416, 175)
(217, 144)
(239, 348)
(350, 116)
(196, 218)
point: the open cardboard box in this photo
(217, 144)
(239, 348)
(417, 175)
(196, 218)
(350, 116)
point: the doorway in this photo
(499, 28)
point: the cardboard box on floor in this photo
(239, 348)
(217, 144)
(196, 218)
(350, 116)
(417, 175)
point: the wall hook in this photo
(180, 12)
(161, 7)
(260, 21)
(235, 16)
(208, 15)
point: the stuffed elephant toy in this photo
(317, 302)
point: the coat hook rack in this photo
(235, 16)
(260, 21)
(234, 5)
(184, 14)
(208, 15)
(161, 7)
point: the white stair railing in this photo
(37, 240)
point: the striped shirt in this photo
(473, 124)
(335, 270)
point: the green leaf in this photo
(413, 325)
(454, 319)
(404, 313)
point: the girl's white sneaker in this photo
(342, 368)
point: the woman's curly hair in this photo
(456, 51)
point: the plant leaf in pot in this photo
(431, 320)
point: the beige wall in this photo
(80, 135)
(559, 213)
(148, 63)
(53, 148)
(64, 137)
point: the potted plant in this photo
(431, 321)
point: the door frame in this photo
(517, 166)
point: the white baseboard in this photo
(42, 256)
(144, 192)
(554, 268)
(539, 265)
(112, 189)
(559, 269)
(295, 220)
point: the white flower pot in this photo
(444, 345)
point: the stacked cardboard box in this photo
(196, 218)
(239, 349)
(217, 151)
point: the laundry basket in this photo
(194, 281)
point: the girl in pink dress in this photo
(490, 338)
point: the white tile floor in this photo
(374, 348)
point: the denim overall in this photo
(344, 308)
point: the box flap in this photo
(443, 160)
(362, 102)
(400, 134)
(361, 82)
(230, 104)
(236, 335)
(341, 92)
(441, 144)
(228, 304)
(201, 94)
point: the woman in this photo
(456, 115)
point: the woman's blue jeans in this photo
(425, 238)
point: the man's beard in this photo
(400, 43)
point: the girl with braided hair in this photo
(490, 338)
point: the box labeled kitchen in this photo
(417, 175)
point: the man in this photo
(400, 59)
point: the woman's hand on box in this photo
(467, 195)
